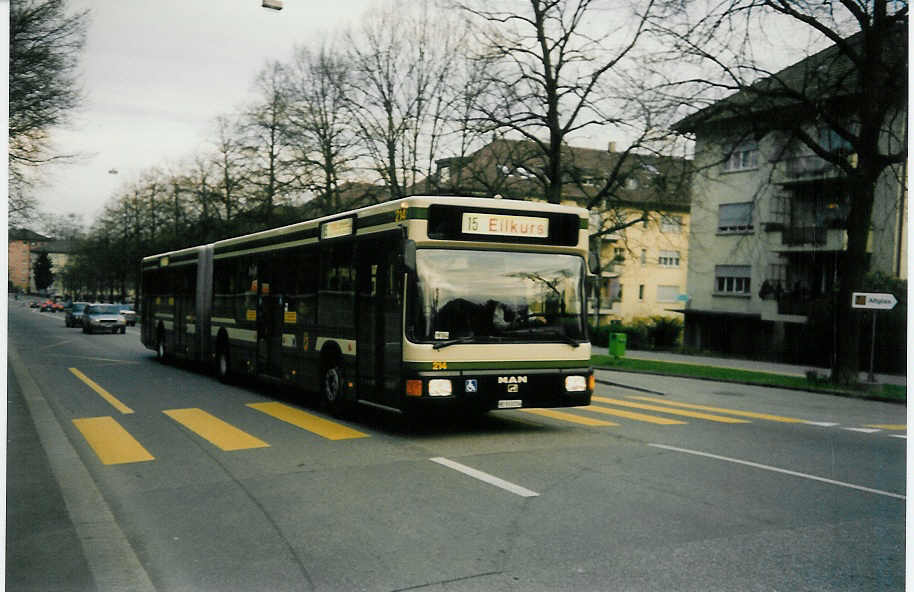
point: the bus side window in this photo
(222, 289)
(337, 295)
(304, 264)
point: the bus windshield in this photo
(495, 297)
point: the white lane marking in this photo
(821, 424)
(863, 430)
(899, 436)
(490, 479)
(779, 470)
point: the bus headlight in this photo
(575, 384)
(439, 387)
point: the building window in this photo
(667, 293)
(732, 279)
(619, 254)
(669, 258)
(671, 224)
(734, 217)
(643, 256)
(641, 292)
(742, 157)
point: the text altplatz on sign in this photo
(872, 300)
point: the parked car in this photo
(47, 306)
(34, 304)
(103, 317)
(128, 313)
(74, 316)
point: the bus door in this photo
(269, 321)
(185, 281)
(378, 341)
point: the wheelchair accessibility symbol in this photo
(470, 385)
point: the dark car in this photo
(74, 316)
(105, 318)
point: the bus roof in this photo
(382, 213)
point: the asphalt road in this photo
(159, 477)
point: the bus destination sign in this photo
(504, 225)
(336, 228)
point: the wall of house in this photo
(18, 264)
(641, 272)
(709, 247)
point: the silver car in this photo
(128, 313)
(106, 318)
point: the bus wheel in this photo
(160, 347)
(332, 388)
(223, 370)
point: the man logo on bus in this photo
(512, 380)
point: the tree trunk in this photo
(846, 362)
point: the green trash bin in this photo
(617, 343)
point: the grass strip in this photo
(882, 391)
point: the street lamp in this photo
(272, 4)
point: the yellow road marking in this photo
(306, 421)
(217, 432)
(634, 415)
(695, 414)
(740, 413)
(889, 426)
(112, 443)
(569, 417)
(104, 394)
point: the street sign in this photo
(874, 301)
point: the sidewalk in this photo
(753, 365)
(43, 550)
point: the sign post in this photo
(873, 301)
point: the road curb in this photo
(111, 558)
(815, 391)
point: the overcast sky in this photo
(156, 73)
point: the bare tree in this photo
(855, 89)
(400, 61)
(45, 45)
(552, 74)
(273, 180)
(231, 168)
(318, 126)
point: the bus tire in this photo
(223, 366)
(332, 388)
(160, 346)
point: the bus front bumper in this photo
(489, 390)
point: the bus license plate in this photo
(510, 403)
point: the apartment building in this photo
(641, 230)
(21, 243)
(769, 217)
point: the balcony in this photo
(806, 168)
(798, 302)
(800, 239)
(804, 235)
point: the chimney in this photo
(611, 147)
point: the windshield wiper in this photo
(459, 340)
(533, 332)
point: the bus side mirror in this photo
(408, 260)
(593, 262)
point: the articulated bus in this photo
(419, 303)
